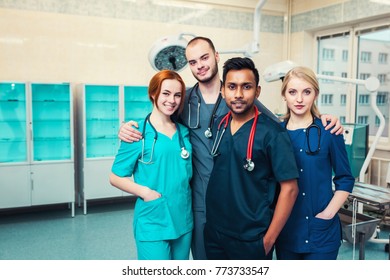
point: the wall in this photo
(107, 42)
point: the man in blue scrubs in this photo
(252, 187)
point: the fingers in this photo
(128, 133)
(337, 130)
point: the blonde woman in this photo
(313, 230)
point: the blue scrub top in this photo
(241, 203)
(170, 216)
(202, 159)
(303, 232)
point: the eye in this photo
(292, 92)
(307, 92)
(165, 93)
(178, 95)
(192, 63)
(231, 86)
(206, 57)
(247, 87)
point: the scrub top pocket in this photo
(324, 233)
(151, 219)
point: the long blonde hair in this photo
(309, 76)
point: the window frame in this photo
(354, 31)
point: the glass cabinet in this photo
(36, 144)
(13, 123)
(101, 110)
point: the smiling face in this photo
(169, 99)
(203, 60)
(240, 91)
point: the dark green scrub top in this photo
(241, 203)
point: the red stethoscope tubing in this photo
(249, 151)
(252, 136)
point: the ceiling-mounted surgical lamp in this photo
(169, 52)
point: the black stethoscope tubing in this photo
(207, 133)
(309, 150)
(184, 152)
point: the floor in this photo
(105, 233)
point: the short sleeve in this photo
(126, 159)
(282, 157)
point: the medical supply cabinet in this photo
(36, 144)
(101, 109)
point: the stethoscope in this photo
(249, 164)
(184, 153)
(207, 133)
(309, 150)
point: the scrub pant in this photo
(197, 247)
(222, 247)
(174, 249)
(287, 255)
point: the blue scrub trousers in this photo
(174, 249)
(287, 255)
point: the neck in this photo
(210, 90)
(297, 122)
(158, 118)
(239, 120)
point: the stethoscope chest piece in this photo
(184, 153)
(249, 165)
(208, 133)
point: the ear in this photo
(258, 91)
(217, 56)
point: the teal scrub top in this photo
(169, 216)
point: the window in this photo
(327, 73)
(365, 57)
(382, 78)
(364, 99)
(345, 55)
(342, 119)
(328, 54)
(343, 99)
(355, 52)
(327, 99)
(362, 119)
(382, 58)
(381, 98)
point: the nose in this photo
(171, 98)
(299, 98)
(238, 93)
(200, 64)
